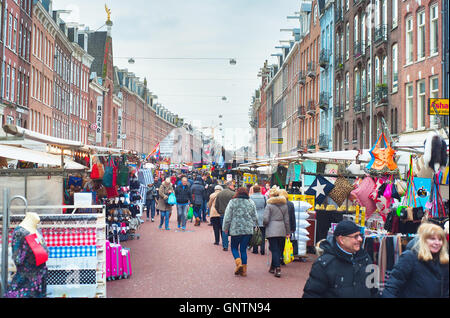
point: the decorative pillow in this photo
(341, 191)
(362, 193)
(320, 188)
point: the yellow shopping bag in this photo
(288, 253)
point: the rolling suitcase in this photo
(116, 261)
(108, 260)
(126, 262)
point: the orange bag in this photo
(383, 158)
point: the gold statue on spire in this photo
(108, 12)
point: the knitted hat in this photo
(345, 228)
(218, 187)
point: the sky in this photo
(247, 30)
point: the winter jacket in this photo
(260, 203)
(276, 218)
(151, 193)
(413, 278)
(222, 200)
(163, 196)
(212, 209)
(183, 194)
(337, 274)
(291, 210)
(198, 192)
(240, 217)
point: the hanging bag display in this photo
(341, 191)
(123, 177)
(382, 158)
(109, 174)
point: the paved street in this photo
(172, 264)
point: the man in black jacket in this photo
(341, 272)
(222, 200)
(198, 197)
(184, 196)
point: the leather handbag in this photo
(341, 191)
(418, 213)
(256, 239)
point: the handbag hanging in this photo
(123, 177)
(39, 252)
(256, 239)
(382, 158)
(109, 174)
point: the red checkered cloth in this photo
(70, 237)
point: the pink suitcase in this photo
(108, 260)
(126, 262)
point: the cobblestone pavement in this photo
(175, 264)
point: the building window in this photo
(15, 35)
(8, 81)
(355, 29)
(394, 13)
(409, 40)
(347, 90)
(363, 29)
(356, 86)
(10, 30)
(409, 106)
(421, 35)
(377, 70)
(434, 93)
(347, 41)
(421, 106)
(369, 78)
(384, 69)
(363, 84)
(395, 67)
(434, 27)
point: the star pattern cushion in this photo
(320, 189)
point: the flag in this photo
(320, 189)
(156, 152)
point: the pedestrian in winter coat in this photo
(239, 221)
(164, 191)
(276, 222)
(214, 215)
(198, 195)
(222, 200)
(150, 201)
(292, 224)
(422, 271)
(260, 203)
(183, 195)
(341, 271)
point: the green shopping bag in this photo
(190, 213)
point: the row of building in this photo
(354, 67)
(60, 80)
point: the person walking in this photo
(292, 224)
(198, 194)
(260, 202)
(341, 271)
(214, 215)
(239, 221)
(422, 271)
(164, 191)
(222, 200)
(150, 201)
(183, 195)
(157, 184)
(276, 222)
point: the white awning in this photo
(19, 131)
(38, 157)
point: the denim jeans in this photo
(182, 210)
(239, 244)
(150, 207)
(275, 246)
(204, 211)
(224, 235)
(197, 211)
(165, 219)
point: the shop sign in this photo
(305, 198)
(441, 105)
(99, 119)
(250, 178)
(119, 128)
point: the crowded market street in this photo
(175, 264)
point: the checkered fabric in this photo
(72, 277)
(70, 237)
(72, 251)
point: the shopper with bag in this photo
(163, 206)
(183, 195)
(214, 215)
(198, 196)
(239, 221)
(341, 271)
(260, 203)
(422, 271)
(276, 222)
(292, 222)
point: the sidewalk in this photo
(172, 264)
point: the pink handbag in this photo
(362, 193)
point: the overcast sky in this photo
(247, 30)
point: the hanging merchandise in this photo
(97, 169)
(341, 191)
(382, 161)
(123, 177)
(362, 195)
(377, 195)
(435, 152)
(108, 177)
(320, 188)
(437, 209)
(311, 167)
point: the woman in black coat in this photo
(421, 272)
